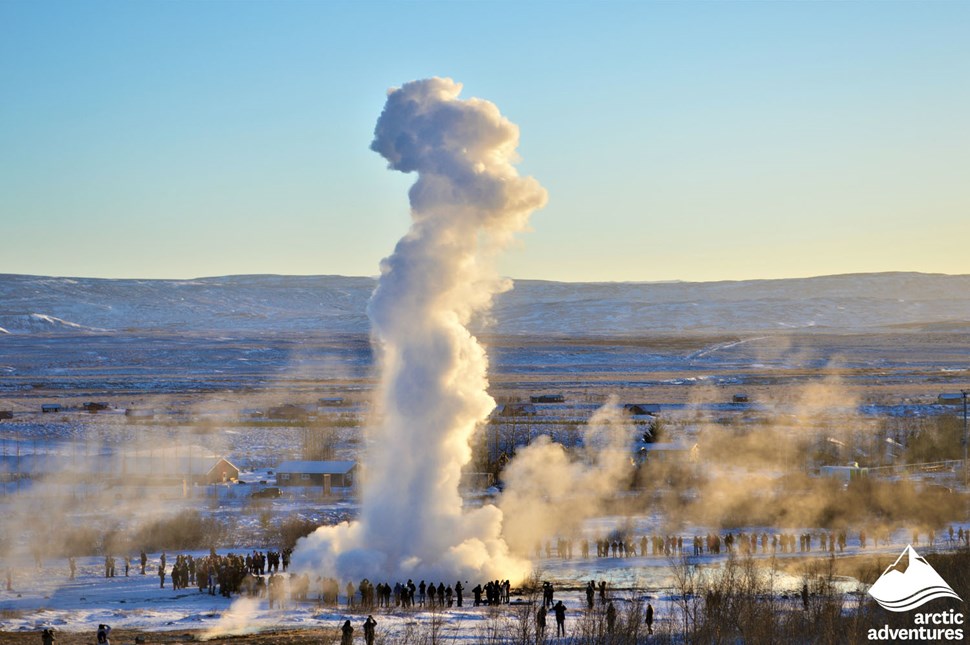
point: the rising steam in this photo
(550, 493)
(466, 205)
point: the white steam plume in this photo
(467, 203)
(549, 493)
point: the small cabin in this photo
(94, 407)
(739, 398)
(338, 474)
(950, 398)
(548, 398)
(330, 401)
(50, 408)
(192, 464)
(6, 414)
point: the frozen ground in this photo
(46, 597)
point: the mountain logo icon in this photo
(908, 583)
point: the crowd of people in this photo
(741, 542)
(258, 574)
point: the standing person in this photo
(72, 563)
(347, 634)
(610, 617)
(350, 594)
(649, 618)
(144, 561)
(47, 636)
(541, 622)
(369, 626)
(161, 576)
(560, 610)
(458, 590)
(104, 632)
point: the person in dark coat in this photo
(610, 617)
(347, 634)
(649, 618)
(560, 611)
(369, 626)
(47, 636)
(541, 622)
(104, 632)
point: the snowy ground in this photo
(47, 598)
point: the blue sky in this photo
(693, 141)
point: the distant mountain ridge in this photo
(337, 304)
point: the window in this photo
(285, 477)
(305, 476)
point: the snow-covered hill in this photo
(336, 304)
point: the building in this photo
(188, 464)
(95, 406)
(48, 408)
(642, 409)
(548, 398)
(739, 398)
(950, 398)
(328, 474)
(6, 414)
(330, 401)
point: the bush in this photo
(293, 529)
(182, 532)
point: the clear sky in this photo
(692, 141)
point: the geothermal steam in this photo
(466, 205)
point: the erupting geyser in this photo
(466, 205)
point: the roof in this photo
(317, 467)
(950, 396)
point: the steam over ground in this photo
(466, 205)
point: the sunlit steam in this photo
(467, 203)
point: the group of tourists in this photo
(742, 543)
